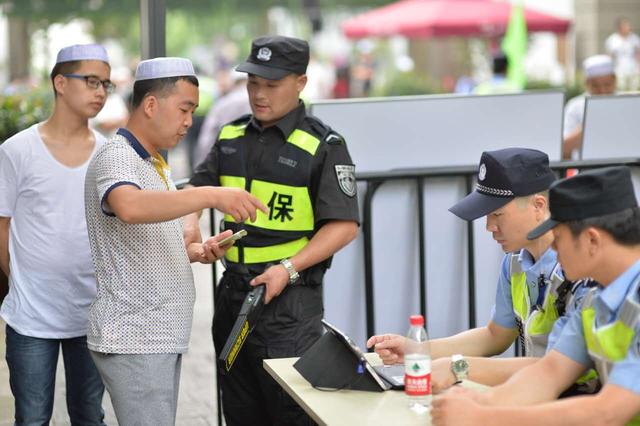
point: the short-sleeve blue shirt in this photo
(607, 303)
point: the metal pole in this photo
(471, 266)
(422, 252)
(214, 283)
(368, 255)
(152, 34)
(152, 28)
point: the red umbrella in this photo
(440, 18)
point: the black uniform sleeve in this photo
(206, 173)
(335, 186)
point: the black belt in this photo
(243, 273)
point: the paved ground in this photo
(196, 404)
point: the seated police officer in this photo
(531, 295)
(301, 169)
(596, 225)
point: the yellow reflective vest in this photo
(290, 223)
(610, 343)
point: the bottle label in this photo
(417, 377)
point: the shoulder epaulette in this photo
(326, 133)
(334, 138)
(240, 120)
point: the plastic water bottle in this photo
(417, 366)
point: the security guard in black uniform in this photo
(300, 169)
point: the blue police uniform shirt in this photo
(607, 303)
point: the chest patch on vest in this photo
(228, 150)
(287, 161)
(346, 175)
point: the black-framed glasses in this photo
(94, 82)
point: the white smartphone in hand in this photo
(232, 238)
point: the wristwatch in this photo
(293, 274)
(459, 367)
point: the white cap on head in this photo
(164, 68)
(82, 52)
(597, 66)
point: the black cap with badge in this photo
(275, 57)
(589, 194)
(503, 175)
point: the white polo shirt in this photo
(145, 294)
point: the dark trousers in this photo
(32, 373)
(288, 326)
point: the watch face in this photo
(460, 366)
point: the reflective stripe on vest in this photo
(304, 140)
(536, 325)
(609, 343)
(231, 131)
(267, 254)
(290, 207)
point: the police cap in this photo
(275, 57)
(589, 194)
(502, 176)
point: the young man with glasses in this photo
(44, 246)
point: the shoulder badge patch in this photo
(346, 175)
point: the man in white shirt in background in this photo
(44, 246)
(599, 80)
(624, 48)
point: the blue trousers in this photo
(32, 373)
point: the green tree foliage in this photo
(19, 111)
(189, 22)
(57, 10)
(408, 83)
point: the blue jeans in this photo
(32, 373)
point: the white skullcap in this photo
(164, 68)
(597, 66)
(82, 52)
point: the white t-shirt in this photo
(52, 281)
(624, 50)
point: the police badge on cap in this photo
(347, 179)
(264, 54)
